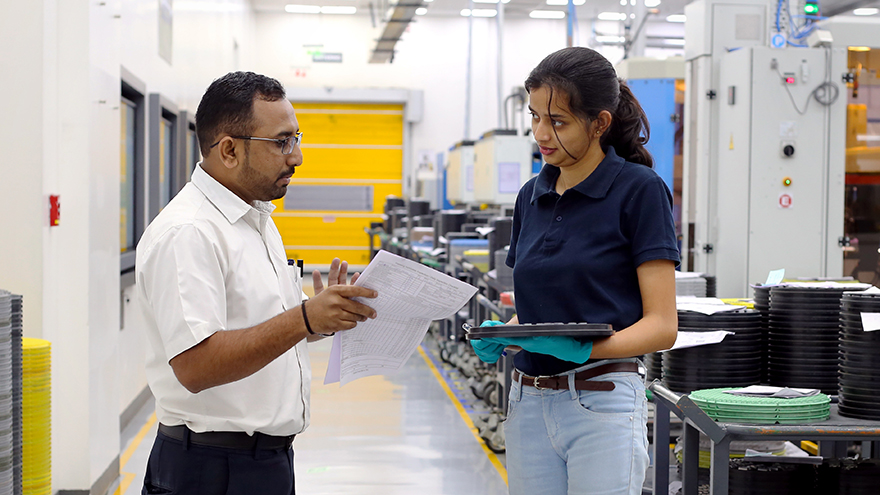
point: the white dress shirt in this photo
(209, 263)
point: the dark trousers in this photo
(176, 468)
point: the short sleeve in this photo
(649, 223)
(181, 279)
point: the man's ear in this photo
(229, 155)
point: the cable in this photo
(825, 93)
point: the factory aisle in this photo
(379, 435)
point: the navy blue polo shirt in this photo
(574, 256)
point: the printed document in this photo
(410, 296)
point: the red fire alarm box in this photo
(54, 210)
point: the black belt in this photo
(228, 439)
(581, 379)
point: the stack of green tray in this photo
(727, 408)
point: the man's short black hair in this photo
(227, 106)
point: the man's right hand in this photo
(333, 309)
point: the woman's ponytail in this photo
(629, 129)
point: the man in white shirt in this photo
(226, 324)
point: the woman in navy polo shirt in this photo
(593, 241)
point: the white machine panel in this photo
(779, 174)
(502, 164)
(460, 173)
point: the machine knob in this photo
(788, 150)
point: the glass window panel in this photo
(127, 211)
(165, 131)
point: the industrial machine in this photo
(763, 175)
(460, 173)
(502, 164)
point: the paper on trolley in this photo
(410, 296)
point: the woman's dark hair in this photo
(228, 106)
(589, 81)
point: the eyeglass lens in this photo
(290, 143)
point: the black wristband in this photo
(306, 318)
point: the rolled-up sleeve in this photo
(181, 278)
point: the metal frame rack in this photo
(834, 434)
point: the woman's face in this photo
(557, 130)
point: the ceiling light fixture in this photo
(334, 9)
(302, 9)
(865, 11)
(611, 16)
(547, 14)
(676, 18)
(421, 11)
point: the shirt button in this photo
(559, 218)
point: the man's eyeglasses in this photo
(287, 144)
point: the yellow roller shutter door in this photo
(352, 159)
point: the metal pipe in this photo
(499, 22)
(468, 74)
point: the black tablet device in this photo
(584, 330)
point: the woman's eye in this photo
(534, 116)
(557, 123)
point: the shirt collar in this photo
(596, 185)
(232, 207)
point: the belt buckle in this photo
(535, 382)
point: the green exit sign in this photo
(811, 8)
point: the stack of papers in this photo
(776, 392)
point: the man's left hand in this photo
(338, 276)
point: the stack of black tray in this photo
(762, 305)
(859, 358)
(735, 362)
(803, 336)
(654, 366)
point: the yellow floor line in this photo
(127, 478)
(467, 419)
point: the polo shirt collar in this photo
(230, 205)
(596, 185)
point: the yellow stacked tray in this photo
(36, 417)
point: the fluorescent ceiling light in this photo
(547, 14)
(652, 3)
(609, 39)
(622, 2)
(565, 2)
(428, 1)
(676, 18)
(491, 1)
(479, 12)
(865, 11)
(674, 41)
(333, 9)
(421, 11)
(302, 9)
(611, 16)
(859, 49)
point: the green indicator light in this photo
(787, 182)
(811, 8)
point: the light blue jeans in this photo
(571, 442)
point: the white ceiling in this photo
(515, 8)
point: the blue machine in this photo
(657, 97)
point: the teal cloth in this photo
(564, 348)
(488, 352)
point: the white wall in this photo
(60, 63)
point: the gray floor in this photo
(379, 435)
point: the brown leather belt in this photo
(581, 379)
(228, 439)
